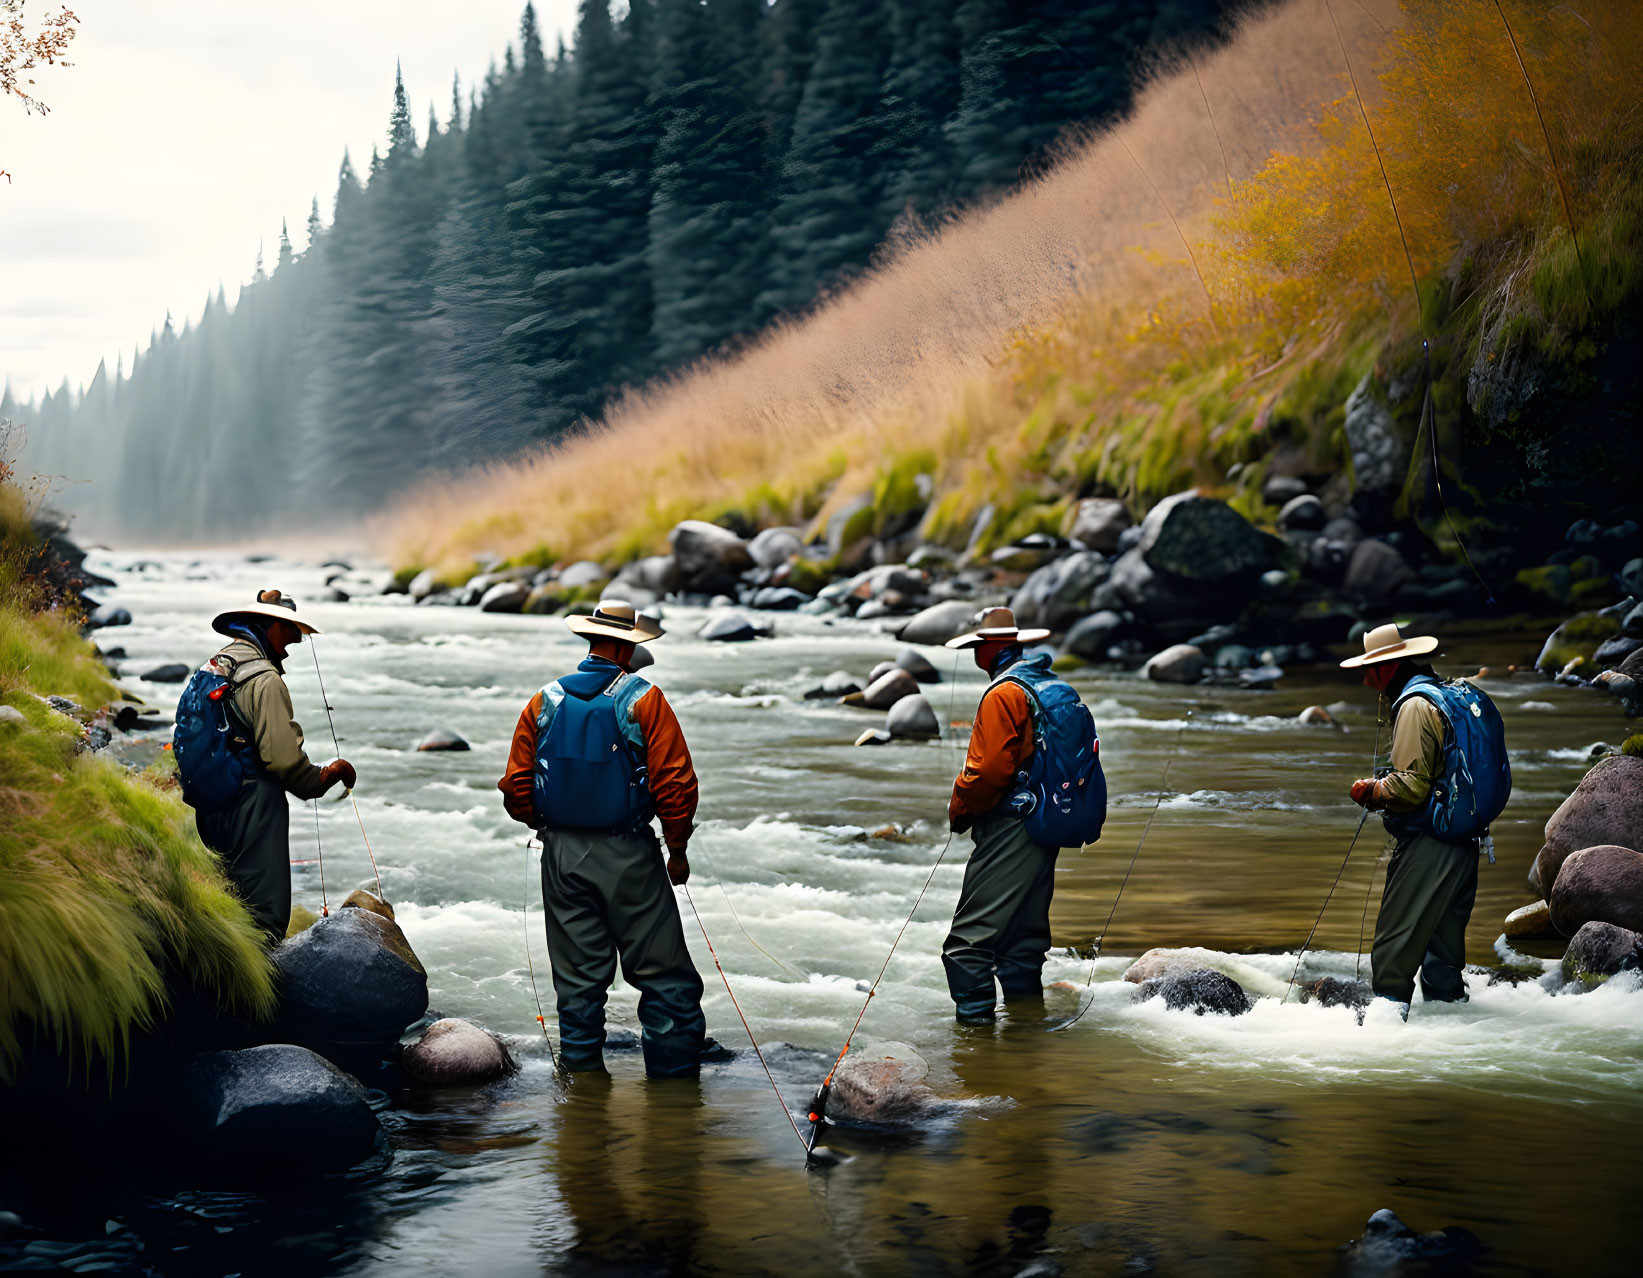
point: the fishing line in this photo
(1209, 302)
(818, 1105)
(319, 856)
(530, 968)
(1308, 943)
(1225, 164)
(725, 892)
(326, 702)
(1557, 173)
(1427, 409)
(1369, 888)
(757, 1050)
(1134, 856)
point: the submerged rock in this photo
(916, 664)
(1599, 950)
(443, 739)
(841, 683)
(1199, 991)
(1530, 920)
(453, 1053)
(889, 688)
(729, 626)
(279, 1104)
(1179, 663)
(912, 717)
(108, 615)
(1606, 807)
(1333, 991)
(350, 979)
(1389, 1247)
(1317, 715)
(1602, 884)
(879, 1090)
(170, 672)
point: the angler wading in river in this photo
(596, 756)
(1031, 785)
(1448, 780)
(240, 752)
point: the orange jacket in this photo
(1001, 743)
(672, 775)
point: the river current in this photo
(1139, 1139)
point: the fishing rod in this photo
(1134, 856)
(1307, 944)
(349, 792)
(530, 967)
(1428, 417)
(1209, 302)
(319, 856)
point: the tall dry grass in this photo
(1179, 292)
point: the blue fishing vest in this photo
(1476, 779)
(590, 753)
(1061, 795)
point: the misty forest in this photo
(588, 218)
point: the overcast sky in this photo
(182, 135)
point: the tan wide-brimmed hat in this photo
(1386, 643)
(996, 623)
(616, 619)
(272, 605)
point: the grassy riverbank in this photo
(104, 887)
(1213, 326)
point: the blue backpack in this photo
(590, 773)
(214, 754)
(1477, 778)
(1063, 794)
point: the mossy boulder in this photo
(1577, 639)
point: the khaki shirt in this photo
(1417, 755)
(263, 704)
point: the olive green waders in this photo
(1431, 887)
(1001, 926)
(253, 837)
(608, 896)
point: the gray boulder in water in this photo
(1332, 991)
(442, 739)
(841, 683)
(1390, 1247)
(939, 622)
(279, 1104)
(912, 717)
(889, 688)
(171, 672)
(1599, 950)
(453, 1053)
(1200, 991)
(729, 626)
(350, 979)
(879, 1091)
(916, 664)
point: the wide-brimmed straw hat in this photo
(616, 619)
(271, 605)
(996, 623)
(1386, 643)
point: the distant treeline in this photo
(584, 221)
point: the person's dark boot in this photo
(976, 1008)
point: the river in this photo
(1137, 1140)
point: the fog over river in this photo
(1139, 1139)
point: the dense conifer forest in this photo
(587, 218)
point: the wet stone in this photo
(1200, 991)
(443, 739)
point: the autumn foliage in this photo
(1183, 297)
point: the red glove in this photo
(339, 770)
(1364, 793)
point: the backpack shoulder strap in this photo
(246, 671)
